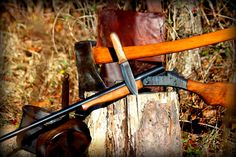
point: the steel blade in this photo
(129, 77)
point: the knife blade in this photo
(124, 64)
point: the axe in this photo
(87, 56)
(88, 76)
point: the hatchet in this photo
(88, 75)
(87, 56)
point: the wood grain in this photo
(214, 93)
(122, 129)
(102, 54)
(113, 95)
(118, 48)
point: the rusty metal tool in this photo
(124, 64)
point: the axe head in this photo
(88, 76)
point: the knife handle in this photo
(118, 48)
(214, 93)
(111, 96)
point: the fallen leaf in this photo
(209, 113)
(34, 49)
(43, 104)
(59, 27)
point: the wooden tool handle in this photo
(116, 94)
(102, 54)
(118, 47)
(214, 93)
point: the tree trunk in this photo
(230, 117)
(186, 22)
(144, 126)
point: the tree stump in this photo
(146, 125)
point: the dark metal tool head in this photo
(124, 64)
(89, 79)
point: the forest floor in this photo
(37, 48)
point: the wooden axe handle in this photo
(102, 54)
(214, 93)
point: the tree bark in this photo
(186, 22)
(230, 117)
(123, 129)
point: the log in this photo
(144, 126)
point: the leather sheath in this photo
(133, 28)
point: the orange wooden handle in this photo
(214, 93)
(102, 54)
(116, 94)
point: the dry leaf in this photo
(59, 27)
(34, 49)
(209, 113)
(43, 104)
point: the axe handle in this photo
(102, 54)
(214, 93)
(116, 94)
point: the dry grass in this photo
(37, 48)
(213, 63)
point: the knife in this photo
(124, 64)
